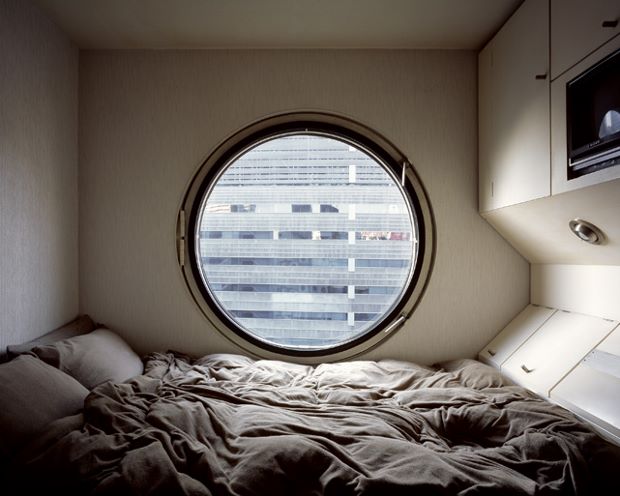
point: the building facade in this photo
(306, 241)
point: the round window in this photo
(306, 237)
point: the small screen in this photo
(593, 118)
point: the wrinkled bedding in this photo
(230, 425)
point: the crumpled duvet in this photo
(231, 425)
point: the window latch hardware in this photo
(181, 238)
(398, 322)
(403, 174)
(181, 252)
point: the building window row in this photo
(271, 314)
(309, 235)
(303, 288)
(306, 262)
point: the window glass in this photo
(305, 241)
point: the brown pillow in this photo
(474, 374)
(93, 358)
(80, 325)
(32, 395)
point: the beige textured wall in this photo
(38, 174)
(149, 118)
(589, 289)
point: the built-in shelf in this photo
(592, 388)
(569, 358)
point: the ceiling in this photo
(129, 24)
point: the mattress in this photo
(232, 425)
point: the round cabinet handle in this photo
(610, 24)
(491, 352)
(526, 370)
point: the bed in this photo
(232, 425)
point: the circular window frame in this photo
(337, 127)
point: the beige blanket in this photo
(230, 425)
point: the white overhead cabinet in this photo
(514, 149)
(523, 72)
(578, 27)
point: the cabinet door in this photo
(578, 27)
(514, 150)
(592, 389)
(552, 351)
(514, 335)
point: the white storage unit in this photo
(522, 129)
(514, 149)
(554, 350)
(578, 27)
(592, 389)
(515, 334)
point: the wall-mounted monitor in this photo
(593, 118)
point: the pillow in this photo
(32, 395)
(474, 374)
(93, 358)
(81, 325)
